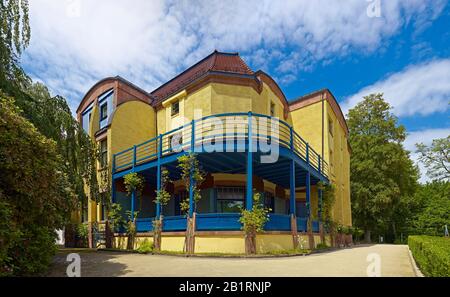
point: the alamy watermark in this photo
(74, 267)
(374, 267)
(374, 8)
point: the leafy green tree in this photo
(35, 194)
(382, 174)
(436, 158)
(15, 35)
(429, 209)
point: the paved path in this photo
(346, 262)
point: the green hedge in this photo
(432, 254)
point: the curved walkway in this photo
(394, 261)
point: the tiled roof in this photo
(217, 61)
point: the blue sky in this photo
(352, 47)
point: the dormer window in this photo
(175, 108)
(105, 103)
(86, 118)
(104, 111)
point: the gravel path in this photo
(394, 261)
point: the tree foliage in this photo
(36, 194)
(328, 199)
(436, 158)
(253, 220)
(429, 210)
(15, 36)
(133, 183)
(190, 167)
(382, 174)
(163, 196)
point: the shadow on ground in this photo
(92, 264)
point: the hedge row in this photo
(432, 254)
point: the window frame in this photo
(172, 110)
(218, 200)
(103, 153)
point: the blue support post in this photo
(292, 188)
(249, 184)
(113, 190)
(158, 175)
(292, 175)
(133, 194)
(308, 182)
(191, 180)
(133, 197)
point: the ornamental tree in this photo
(253, 222)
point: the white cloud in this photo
(426, 137)
(419, 89)
(77, 42)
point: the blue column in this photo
(292, 175)
(292, 188)
(249, 184)
(308, 182)
(133, 197)
(113, 190)
(191, 180)
(158, 175)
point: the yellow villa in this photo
(247, 137)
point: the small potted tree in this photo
(162, 198)
(253, 222)
(133, 183)
(190, 172)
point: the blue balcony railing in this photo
(235, 127)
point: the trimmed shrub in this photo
(432, 254)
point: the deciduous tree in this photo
(382, 174)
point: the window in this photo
(175, 108)
(104, 111)
(269, 201)
(105, 103)
(103, 153)
(272, 109)
(86, 119)
(300, 209)
(230, 199)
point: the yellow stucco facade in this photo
(309, 121)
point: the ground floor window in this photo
(300, 209)
(230, 199)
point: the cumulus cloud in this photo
(419, 89)
(426, 137)
(77, 42)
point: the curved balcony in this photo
(223, 133)
(229, 143)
